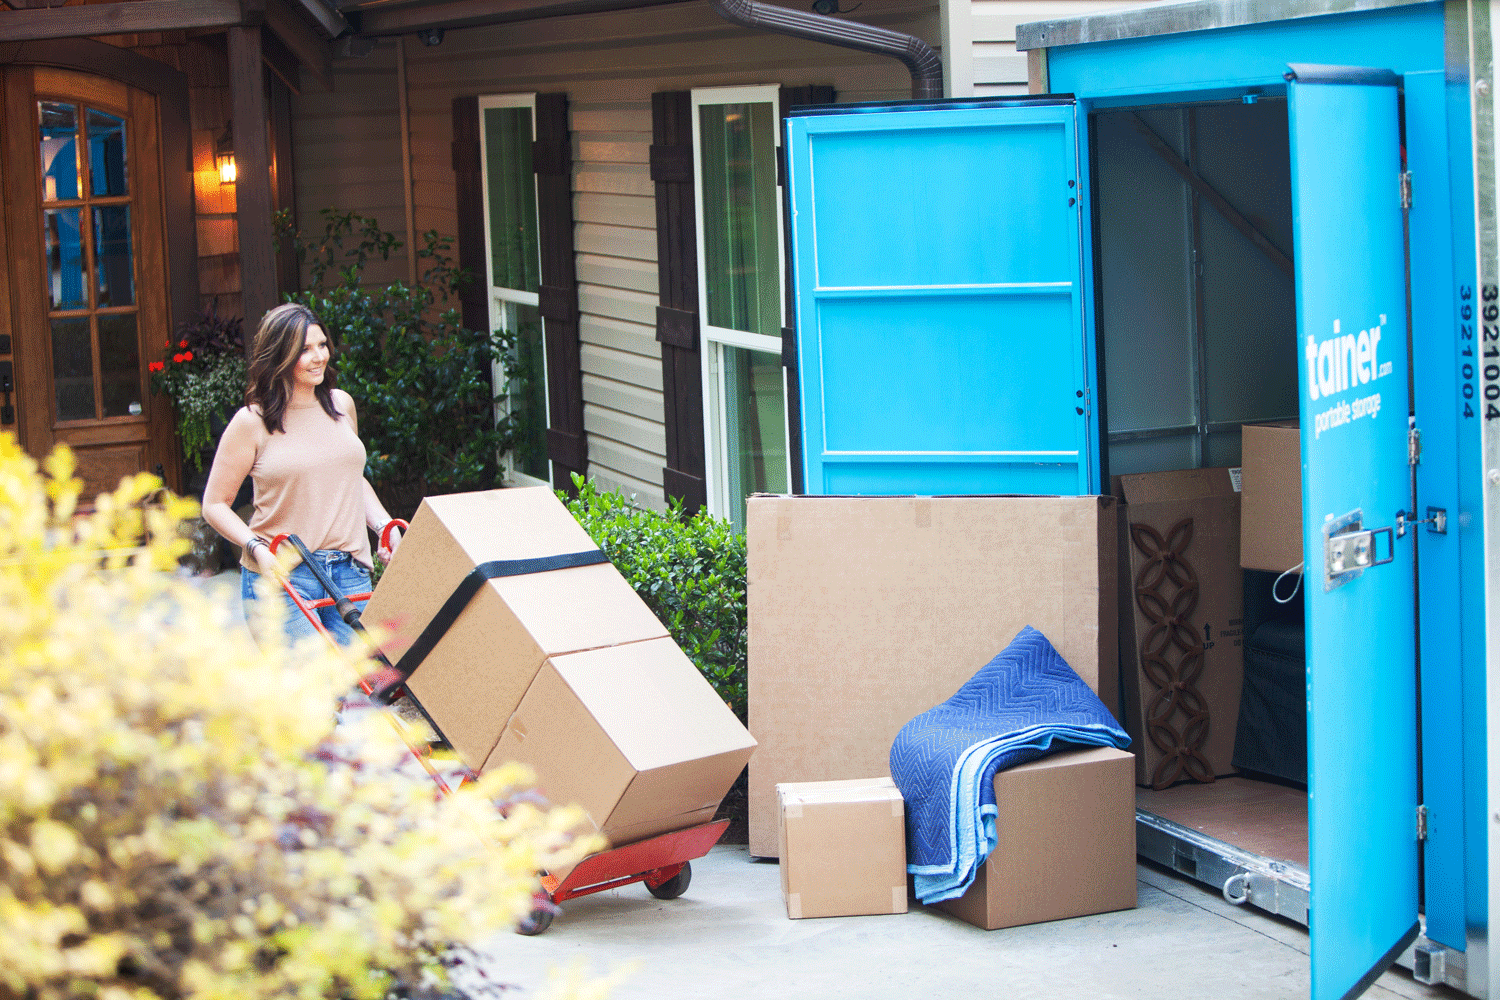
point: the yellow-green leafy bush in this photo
(178, 816)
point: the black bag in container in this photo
(1272, 734)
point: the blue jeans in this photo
(347, 575)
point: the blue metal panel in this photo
(940, 303)
(1253, 56)
(1437, 307)
(1362, 725)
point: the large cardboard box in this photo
(634, 734)
(867, 611)
(1180, 562)
(1271, 518)
(1066, 847)
(475, 676)
(842, 846)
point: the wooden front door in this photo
(85, 274)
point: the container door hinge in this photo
(1421, 822)
(1413, 446)
(1406, 189)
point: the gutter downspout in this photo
(925, 65)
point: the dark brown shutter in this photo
(468, 183)
(677, 326)
(792, 97)
(552, 159)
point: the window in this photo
(740, 293)
(513, 266)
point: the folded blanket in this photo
(1024, 703)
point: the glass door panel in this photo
(96, 356)
(515, 270)
(740, 292)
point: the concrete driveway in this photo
(729, 937)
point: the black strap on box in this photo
(464, 593)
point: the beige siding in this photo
(609, 65)
(347, 152)
(997, 67)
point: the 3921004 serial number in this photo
(1479, 361)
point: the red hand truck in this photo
(662, 862)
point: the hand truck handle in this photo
(385, 533)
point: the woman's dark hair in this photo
(273, 359)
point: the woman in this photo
(297, 438)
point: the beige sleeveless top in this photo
(309, 482)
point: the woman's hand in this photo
(388, 548)
(265, 561)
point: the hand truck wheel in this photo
(674, 886)
(535, 922)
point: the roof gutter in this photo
(925, 65)
(327, 16)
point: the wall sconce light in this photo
(224, 157)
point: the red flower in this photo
(182, 343)
(156, 366)
(187, 355)
(178, 358)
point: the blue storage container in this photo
(1212, 214)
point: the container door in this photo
(1351, 325)
(938, 270)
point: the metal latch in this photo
(1349, 548)
(1421, 822)
(1436, 521)
(1406, 189)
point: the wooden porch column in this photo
(252, 157)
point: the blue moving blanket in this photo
(944, 761)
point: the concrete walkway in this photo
(729, 937)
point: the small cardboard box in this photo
(1194, 514)
(1066, 846)
(867, 611)
(475, 676)
(842, 847)
(1271, 516)
(633, 733)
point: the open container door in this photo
(1361, 649)
(938, 264)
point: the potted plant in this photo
(202, 370)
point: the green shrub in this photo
(420, 379)
(689, 570)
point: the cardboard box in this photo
(475, 677)
(1271, 516)
(1067, 842)
(633, 733)
(1160, 502)
(842, 846)
(867, 611)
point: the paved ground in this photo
(729, 937)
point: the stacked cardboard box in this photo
(1271, 524)
(1066, 830)
(842, 847)
(867, 611)
(566, 670)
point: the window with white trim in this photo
(513, 271)
(740, 295)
